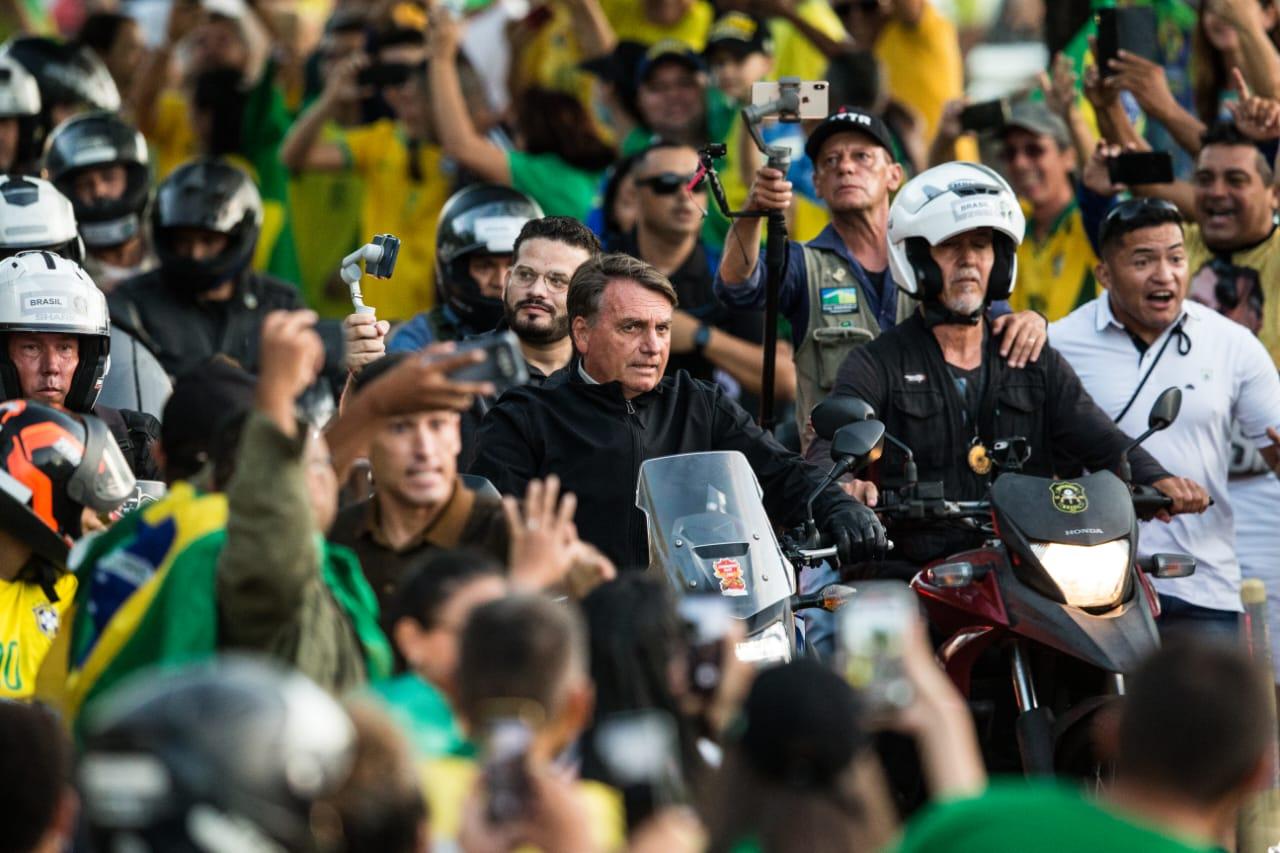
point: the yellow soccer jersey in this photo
(1055, 275)
(29, 622)
(1265, 258)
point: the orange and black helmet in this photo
(53, 464)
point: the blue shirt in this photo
(793, 293)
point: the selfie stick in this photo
(379, 258)
(787, 107)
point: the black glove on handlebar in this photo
(857, 534)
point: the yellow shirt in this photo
(326, 209)
(395, 203)
(1055, 275)
(550, 61)
(447, 784)
(173, 140)
(630, 24)
(1265, 258)
(29, 622)
(923, 70)
(793, 54)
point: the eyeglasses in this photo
(666, 183)
(1120, 217)
(1033, 150)
(524, 278)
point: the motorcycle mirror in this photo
(1166, 408)
(830, 598)
(1165, 566)
(837, 411)
(861, 442)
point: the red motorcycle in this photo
(1040, 624)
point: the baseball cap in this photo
(849, 119)
(1036, 117)
(669, 50)
(801, 726)
(741, 35)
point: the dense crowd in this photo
(662, 425)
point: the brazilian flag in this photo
(147, 595)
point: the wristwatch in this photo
(701, 338)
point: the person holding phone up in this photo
(836, 290)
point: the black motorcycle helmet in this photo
(212, 195)
(53, 464)
(100, 139)
(479, 219)
(68, 76)
(230, 755)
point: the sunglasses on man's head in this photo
(666, 183)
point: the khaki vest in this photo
(839, 322)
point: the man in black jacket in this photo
(594, 422)
(203, 299)
(937, 380)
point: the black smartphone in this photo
(505, 772)
(985, 115)
(640, 752)
(1132, 28)
(504, 363)
(386, 265)
(706, 620)
(387, 74)
(1141, 167)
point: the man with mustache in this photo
(938, 382)
(836, 290)
(1143, 336)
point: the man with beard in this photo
(836, 289)
(544, 257)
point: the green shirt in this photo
(558, 188)
(424, 715)
(1017, 816)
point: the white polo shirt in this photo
(1225, 375)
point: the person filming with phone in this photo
(937, 380)
(836, 290)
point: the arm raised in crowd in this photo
(458, 135)
(302, 149)
(1259, 59)
(154, 74)
(271, 552)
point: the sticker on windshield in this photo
(1069, 497)
(729, 572)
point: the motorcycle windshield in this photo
(708, 531)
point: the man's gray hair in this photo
(591, 279)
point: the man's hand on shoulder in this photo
(1023, 336)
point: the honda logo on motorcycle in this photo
(729, 573)
(1068, 497)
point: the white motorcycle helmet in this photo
(945, 201)
(34, 215)
(41, 292)
(19, 92)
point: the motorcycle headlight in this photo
(769, 646)
(1088, 575)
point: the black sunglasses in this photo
(666, 183)
(1123, 214)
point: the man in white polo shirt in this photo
(1140, 338)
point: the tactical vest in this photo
(839, 322)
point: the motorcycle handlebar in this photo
(1149, 501)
